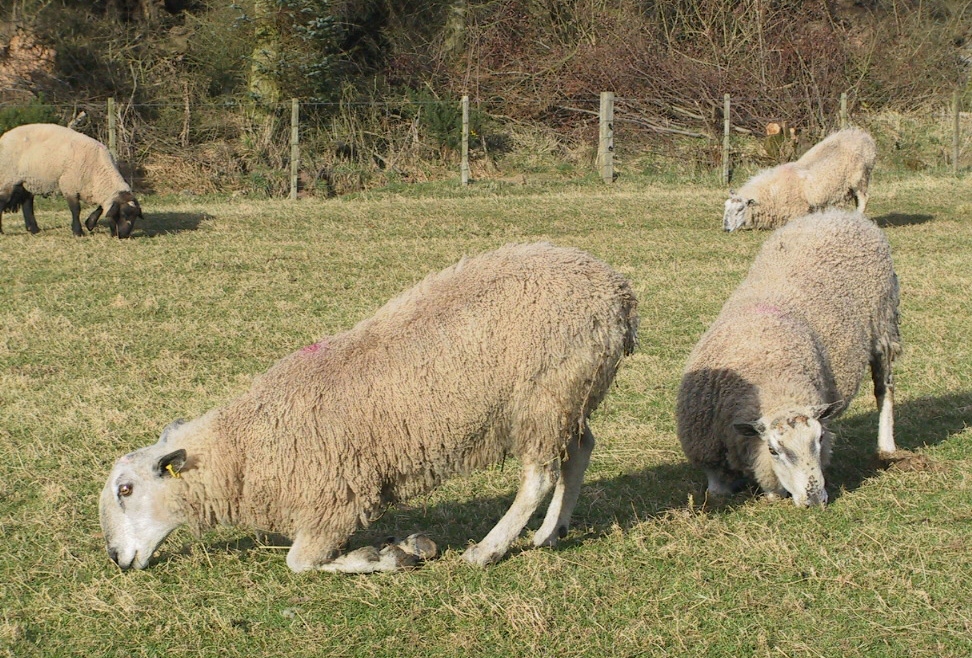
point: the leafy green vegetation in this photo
(103, 342)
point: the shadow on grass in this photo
(901, 219)
(629, 499)
(162, 223)
(922, 422)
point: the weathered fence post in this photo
(464, 166)
(843, 110)
(957, 108)
(605, 147)
(294, 145)
(112, 129)
(725, 139)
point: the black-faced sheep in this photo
(44, 158)
(833, 171)
(504, 354)
(786, 355)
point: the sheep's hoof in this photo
(420, 546)
(411, 551)
(478, 556)
(550, 540)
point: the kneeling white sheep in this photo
(503, 354)
(786, 354)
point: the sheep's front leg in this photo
(884, 395)
(567, 491)
(721, 483)
(93, 218)
(311, 554)
(309, 551)
(28, 207)
(537, 481)
(409, 552)
(74, 205)
(860, 200)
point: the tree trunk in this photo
(263, 87)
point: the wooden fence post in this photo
(464, 166)
(843, 110)
(957, 108)
(605, 146)
(725, 139)
(112, 129)
(294, 145)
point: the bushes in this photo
(36, 111)
(205, 72)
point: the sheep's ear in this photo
(753, 429)
(825, 412)
(169, 428)
(171, 464)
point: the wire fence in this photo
(297, 147)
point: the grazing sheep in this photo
(786, 355)
(42, 158)
(504, 354)
(830, 173)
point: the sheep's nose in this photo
(818, 498)
(113, 554)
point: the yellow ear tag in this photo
(174, 473)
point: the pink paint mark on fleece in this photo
(315, 347)
(767, 309)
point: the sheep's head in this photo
(738, 212)
(122, 213)
(798, 445)
(136, 507)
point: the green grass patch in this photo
(103, 342)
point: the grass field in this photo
(104, 342)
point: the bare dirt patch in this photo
(905, 460)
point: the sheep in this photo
(507, 353)
(786, 355)
(830, 173)
(42, 158)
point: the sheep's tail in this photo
(891, 340)
(629, 310)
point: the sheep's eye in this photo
(124, 490)
(772, 450)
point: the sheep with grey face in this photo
(43, 158)
(786, 355)
(504, 354)
(833, 171)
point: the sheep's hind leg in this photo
(536, 483)
(884, 395)
(565, 495)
